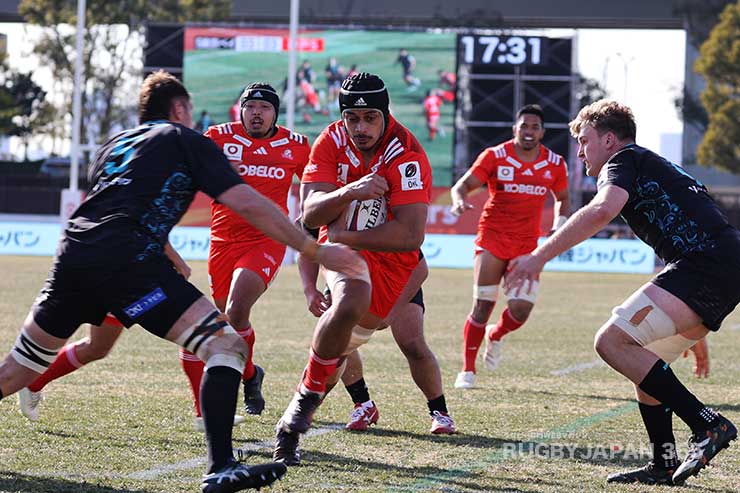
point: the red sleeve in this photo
(484, 166)
(409, 179)
(303, 152)
(561, 176)
(322, 161)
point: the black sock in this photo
(358, 391)
(659, 425)
(218, 394)
(437, 404)
(661, 384)
(1, 394)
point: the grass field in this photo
(124, 424)
(216, 77)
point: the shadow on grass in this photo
(583, 396)
(24, 483)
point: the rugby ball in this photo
(366, 214)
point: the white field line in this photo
(579, 367)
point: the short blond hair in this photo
(605, 115)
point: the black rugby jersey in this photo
(142, 182)
(667, 208)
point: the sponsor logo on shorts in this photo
(525, 189)
(411, 176)
(263, 171)
(146, 303)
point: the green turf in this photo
(216, 77)
(121, 424)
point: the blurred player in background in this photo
(408, 64)
(243, 261)
(111, 259)
(432, 104)
(448, 85)
(367, 155)
(519, 174)
(674, 214)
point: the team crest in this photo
(233, 151)
(505, 173)
(288, 154)
(548, 175)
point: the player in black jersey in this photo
(674, 214)
(111, 259)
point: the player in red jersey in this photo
(432, 103)
(519, 174)
(242, 261)
(365, 155)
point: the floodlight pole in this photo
(77, 100)
(292, 48)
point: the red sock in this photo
(317, 372)
(506, 323)
(248, 336)
(193, 368)
(473, 333)
(66, 362)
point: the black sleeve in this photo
(621, 170)
(211, 170)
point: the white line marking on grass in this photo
(159, 470)
(579, 367)
(500, 455)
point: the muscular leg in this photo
(408, 331)
(350, 301)
(73, 356)
(487, 272)
(15, 376)
(224, 353)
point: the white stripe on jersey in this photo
(225, 129)
(553, 158)
(394, 149)
(243, 140)
(499, 151)
(513, 162)
(339, 137)
(541, 164)
(297, 137)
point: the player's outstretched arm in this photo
(181, 266)
(263, 214)
(582, 225)
(460, 190)
(315, 299)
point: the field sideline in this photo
(124, 424)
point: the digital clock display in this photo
(501, 50)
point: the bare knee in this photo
(349, 308)
(416, 349)
(520, 310)
(611, 338)
(482, 310)
(88, 351)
